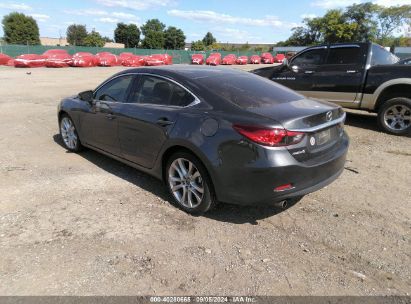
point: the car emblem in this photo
(312, 141)
(329, 116)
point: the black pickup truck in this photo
(354, 75)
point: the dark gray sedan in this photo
(212, 134)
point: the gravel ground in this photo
(84, 224)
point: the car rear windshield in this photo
(247, 90)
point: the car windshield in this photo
(250, 91)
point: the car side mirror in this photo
(86, 96)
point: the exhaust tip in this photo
(282, 204)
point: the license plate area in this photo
(323, 137)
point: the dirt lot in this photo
(85, 224)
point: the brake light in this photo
(275, 137)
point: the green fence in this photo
(179, 56)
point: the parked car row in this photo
(58, 58)
(230, 59)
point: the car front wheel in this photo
(394, 116)
(69, 134)
(189, 183)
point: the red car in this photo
(230, 59)
(57, 58)
(83, 59)
(279, 58)
(267, 58)
(242, 60)
(214, 59)
(125, 56)
(255, 59)
(197, 59)
(159, 59)
(107, 59)
(4, 59)
(30, 61)
(134, 61)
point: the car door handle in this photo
(309, 72)
(110, 116)
(351, 71)
(164, 122)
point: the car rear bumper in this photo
(254, 183)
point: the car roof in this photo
(185, 71)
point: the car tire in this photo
(69, 134)
(189, 183)
(394, 116)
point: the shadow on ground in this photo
(222, 212)
(362, 120)
(366, 121)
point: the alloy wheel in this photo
(186, 183)
(68, 132)
(397, 117)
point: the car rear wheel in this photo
(394, 116)
(189, 183)
(69, 134)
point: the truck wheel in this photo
(394, 116)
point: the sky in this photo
(239, 21)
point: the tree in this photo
(391, 19)
(358, 22)
(174, 38)
(20, 29)
(127, 34)
(153, 31)
(244, 47)
(197, 45)
(209, 39)
(76, 33)
(363, 16)
(336, 28)
(94, 39)
(215, 46)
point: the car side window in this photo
(115, 90)
(344, 55)
(310, 58)
(382, 56)
(159, 91)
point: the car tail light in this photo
(273, 137)
(283, 188)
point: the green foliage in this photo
(174, 38)
(363, 16)
(152, 25)
(335, 28)
(198, 45)
(391, 19)
(127, 34)
(94, 39)
(76, 33)
(209, 39)
(214, 46)
(153, 31)
(20, 29)
(358, 22)
(228, 47)
(261, 48)
(244, 47)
